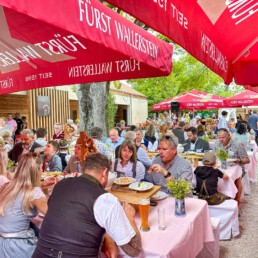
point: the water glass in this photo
(161, 218)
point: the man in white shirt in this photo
(86, 213)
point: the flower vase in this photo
(224, 164)
(180, 207)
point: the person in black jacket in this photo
(207, 180)
(193, 143)
(27, 144)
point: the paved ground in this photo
(246, 244)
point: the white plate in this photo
(124, 181)
(159, 196)
(141, 186)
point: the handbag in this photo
(214, 199)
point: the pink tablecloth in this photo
(251, 167)
(183, 237)
(228, 186)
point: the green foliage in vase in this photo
(222, 154)
(179, 188)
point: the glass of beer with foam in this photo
(144, 207)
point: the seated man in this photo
(27, 144)
(193, 143)
(114, 139)
(168, 164)
(41, 136)
(59, 133)
(235, 150)
(83, 222)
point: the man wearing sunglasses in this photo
(168, 164)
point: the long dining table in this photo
(183, 237)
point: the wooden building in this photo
(63, 104)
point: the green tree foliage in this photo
(111, 109)
(187, 74)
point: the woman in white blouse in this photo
(126, 164)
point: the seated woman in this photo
(126, 164)
(3, 166)
(242, 135)
(200, 130)
(19, 201)
(151, 137)
(51, 161)
(7, 136)
(209, 131)
(75, 163)
(207, 180)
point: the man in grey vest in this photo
(81, 214)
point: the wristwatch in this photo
(167, 175)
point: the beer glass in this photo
(144, 207)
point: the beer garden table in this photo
(183, 237)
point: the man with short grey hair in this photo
(168, 164)
(26, 145)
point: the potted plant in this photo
(179, 188)
(223, 155)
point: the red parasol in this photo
(192, 100)
(221, 34)
(48, 43)
(246, 98)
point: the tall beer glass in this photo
(144, 207)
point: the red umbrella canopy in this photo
(246, 98)
(221, 34)
(192, 100)
(48, 43)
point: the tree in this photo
(92, 99)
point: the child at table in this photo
(207, 180)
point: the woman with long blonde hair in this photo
(19, 201)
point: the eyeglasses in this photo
(173, 139)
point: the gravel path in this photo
(246, 244)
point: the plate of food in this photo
(54, 174)
(159, 196)
(141, 186)
(124, 181)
